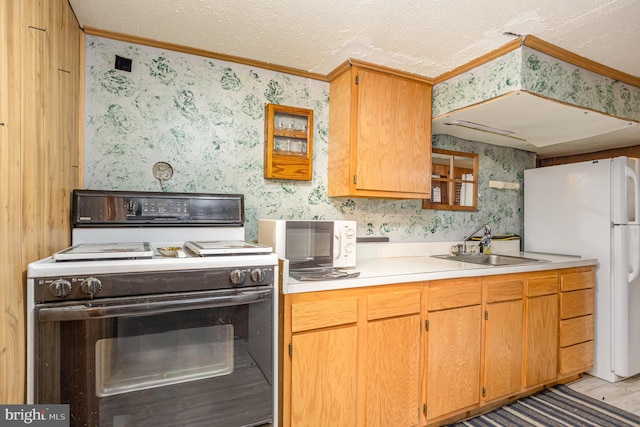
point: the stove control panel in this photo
(61, 288)
(93, 208)
(79, 287)
(162, 207)
(254, 275)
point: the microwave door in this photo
(309, 244)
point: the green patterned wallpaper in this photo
(487, 81)
(206, 118)
(529, 70)
(547, 76)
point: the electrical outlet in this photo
(123, 64)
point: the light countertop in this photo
(389, 263)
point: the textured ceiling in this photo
(425, 37)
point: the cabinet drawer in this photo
(577, 280)
(446, 294)
(576, 330)
(576, 358)
(322, 314)
(390, 304)
(537, 286)
(505, 290)
(576, 303)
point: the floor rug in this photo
(556, 406)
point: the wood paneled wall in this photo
(11, 283)
(40, 116)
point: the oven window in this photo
(152, 360)
(191, 367)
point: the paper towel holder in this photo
(502, 185)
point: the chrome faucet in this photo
(484, 242)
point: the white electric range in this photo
(162, 304)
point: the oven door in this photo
(192, 359)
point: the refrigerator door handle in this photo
(634, 253)
(632, 191)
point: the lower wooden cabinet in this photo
(392, 357)
(429, 353)
(393, 364)
(541, 328)
(504, 340)
(323, 360)
(453, 346)
(352, 357)
(577, 305)
(323, 377)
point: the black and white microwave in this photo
(310, 244)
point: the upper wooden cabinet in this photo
(454, 181)
(379, 133)
(288, 145)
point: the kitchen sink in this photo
(490, 259)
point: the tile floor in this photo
(623, 394)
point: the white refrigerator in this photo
(592, 209)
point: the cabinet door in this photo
(453, 360)
(503, 349)
(504, 342)
(323, 378)
(392, 374)
(393, 150)
(542, 339)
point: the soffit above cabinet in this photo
(530, 100)
(532, 123)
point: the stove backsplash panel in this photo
(205, 117)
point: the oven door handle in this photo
(86, 311)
